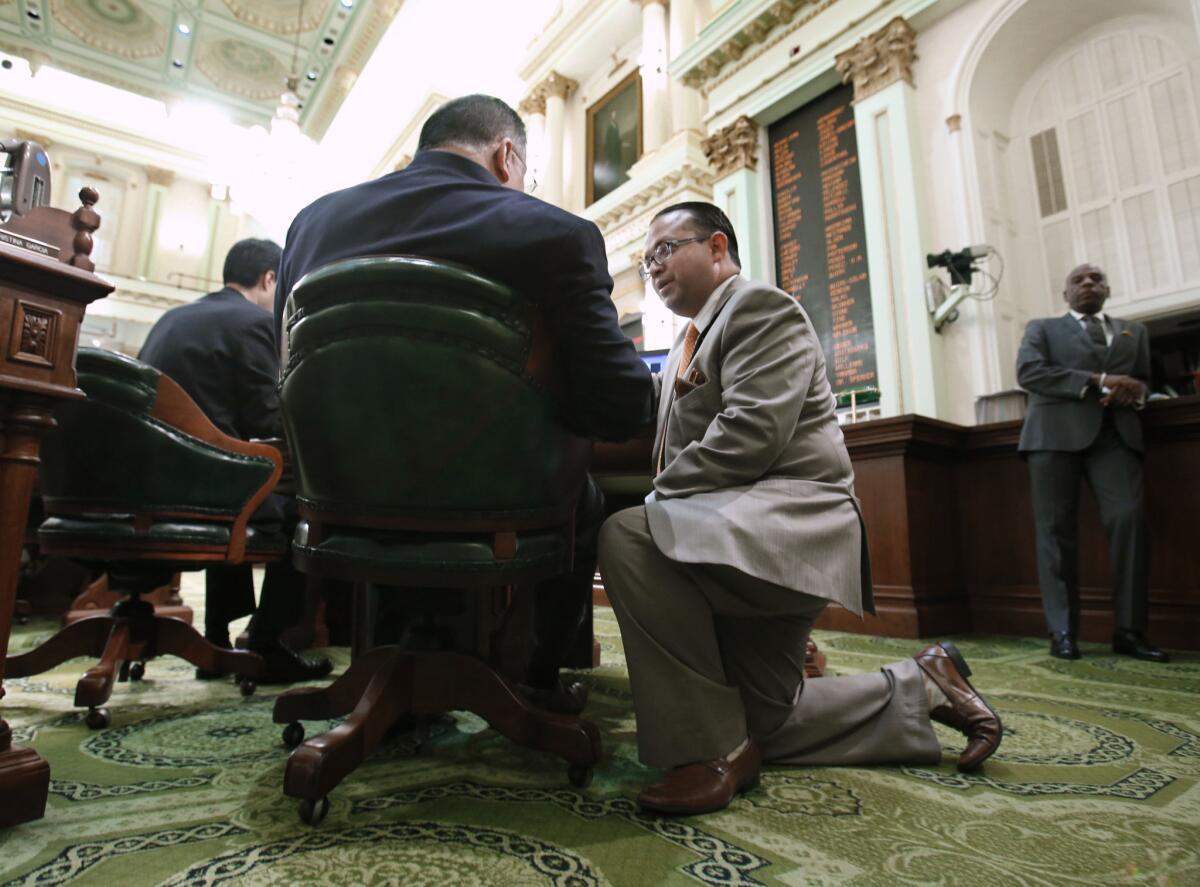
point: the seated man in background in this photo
(221, 351)
(752, 529)
(462, 200)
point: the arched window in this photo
(1114, 149)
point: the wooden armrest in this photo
(173, 407)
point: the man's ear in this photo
(720, 245)
(267, 281)
(498, 161)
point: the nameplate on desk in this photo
(36, 246)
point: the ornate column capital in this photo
(157, 176)
(880, 59)
(732, 148)
(556, 85)
(533, 104)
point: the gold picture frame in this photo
(614, 137)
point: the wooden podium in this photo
(46, 282)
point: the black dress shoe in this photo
(1063, 646)
(283, 665)
(564, 698)
(1134, 643)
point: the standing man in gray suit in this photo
(752, 529)
(1086, 373)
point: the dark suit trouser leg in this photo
(228, 595)
(562, 601)
(281, 601)
(1114, 473)
(1055, 478)
(715, 654)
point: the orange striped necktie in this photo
(690, 337)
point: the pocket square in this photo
(690, 382)
(1126, 333)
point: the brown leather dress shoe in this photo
(967, 711)
(704, 786)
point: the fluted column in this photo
(685, 101)
(157, 183)
(732, 153)
(556, 88)
(908, 354)
(533, 109)
(656, 102)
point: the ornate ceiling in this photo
(232, 53)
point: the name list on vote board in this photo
(820, 248)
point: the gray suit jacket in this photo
(755, 470)
(1053, 364)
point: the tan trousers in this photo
(715, 655)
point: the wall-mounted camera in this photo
(962, 267)
(24, 178)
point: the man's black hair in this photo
(248, 259)
(473, 122)
(706, 220)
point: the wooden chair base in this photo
(386, 685)
(124, 639)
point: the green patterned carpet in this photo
(1096, 784)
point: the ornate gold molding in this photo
(778, 15)
(533, 104)
(555, 84)
(878, 60)
(732, 148)
(635, 212)
(157, 176)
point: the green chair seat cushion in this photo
(110, 529)
(422, 554)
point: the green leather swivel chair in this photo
(135, 478)
(418, 400)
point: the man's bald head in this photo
(1086, 289)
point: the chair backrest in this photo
(137, 445)
(420, 395)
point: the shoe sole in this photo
(965, 670)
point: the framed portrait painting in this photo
(614, 137)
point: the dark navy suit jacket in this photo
(220, 349)
(444, 206)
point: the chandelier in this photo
(272, 173)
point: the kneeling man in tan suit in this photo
(751, 530)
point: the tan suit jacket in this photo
(755, 470)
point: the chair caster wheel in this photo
(293, 734)
(247, 686)
(137, 671)
(312, 812)
(579, 775)
(97, 718)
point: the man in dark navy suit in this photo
(1086, 372)
(220, 349)
(462, 199)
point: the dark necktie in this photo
(1095, 330)
(690, 336)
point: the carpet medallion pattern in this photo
(1097, 783)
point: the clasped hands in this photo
(1122, 391)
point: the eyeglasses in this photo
(532, 186)
(663, 252)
